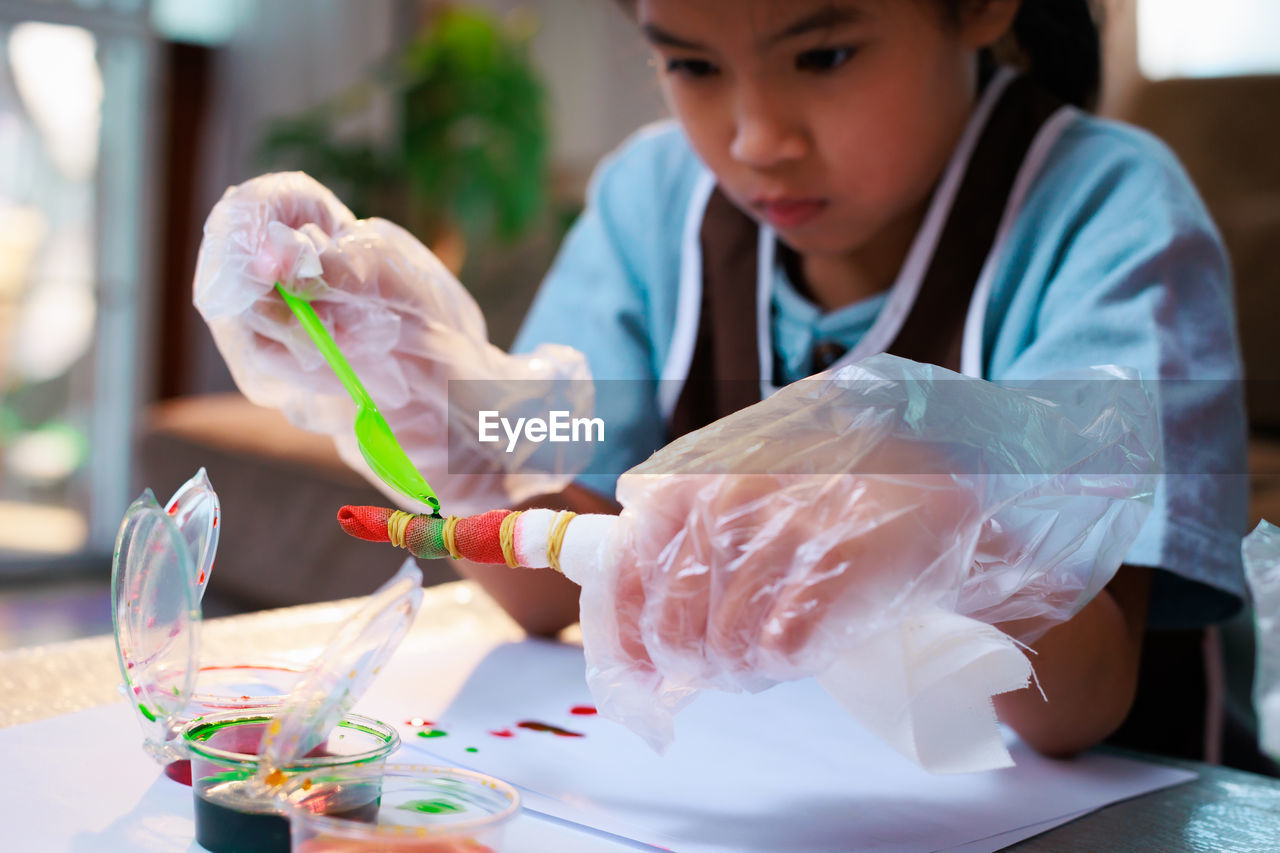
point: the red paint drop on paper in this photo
(173, 510)
(583, 710)
(534, 725)
(215, 522)
(503, 733)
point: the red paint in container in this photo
(233, 687)
(179, 771)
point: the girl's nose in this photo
(764, 137)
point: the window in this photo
(73, 145)
(1192, 38)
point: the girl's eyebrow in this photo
(825, 18)
(658, 36)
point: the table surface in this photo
(1223, 809)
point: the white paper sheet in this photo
(784, 769)
(81, 782)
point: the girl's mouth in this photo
(785, 213)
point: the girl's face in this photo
(830, 120)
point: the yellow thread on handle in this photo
(447, 535)
(397, 526)
(556, 540)
(507, 539)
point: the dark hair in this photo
(1058, 43)
(1059, 46)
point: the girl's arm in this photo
(1088, 669)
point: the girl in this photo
(848, 177)
(845, 178)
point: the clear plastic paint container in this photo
(422, 809)
(237, 812)
(163, 560)
(232, 687)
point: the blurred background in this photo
(476, 125)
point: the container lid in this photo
(156, 616)
(195, 509)
(344, 671)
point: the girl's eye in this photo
(695, 68)
(824, 59)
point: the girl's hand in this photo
(774, 543)
(738, 581)
(268, 229)
(403, 321)
(391, 306)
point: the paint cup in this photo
(232, 687)
(422, 809)
(234, 814)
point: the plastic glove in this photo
(404, 323)
(733, 577)
(769, 544)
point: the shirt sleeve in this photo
(604, 296)
(1133, 273)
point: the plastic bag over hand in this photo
(851, 527)
(403, 321)
(1261, 552)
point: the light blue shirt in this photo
(1113, 260)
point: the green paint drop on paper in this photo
(430, 806)
(472, 749)
(146, 712)
(433, 733)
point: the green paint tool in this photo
(377, 442)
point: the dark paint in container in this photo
(224, 752)
(221, 828)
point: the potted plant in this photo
(468, 163)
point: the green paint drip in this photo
(432, 733)
(146, 712)
(425, 537)
(435, 535)
(472, 749)
(430, 806)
